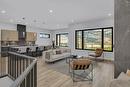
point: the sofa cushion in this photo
(54, 52)
(47, 55)
(128, 72)
(66, 54)
(123, 76)
(61, 56)
(58, 52)
(57, 56)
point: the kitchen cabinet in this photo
(31, 36)
(9, 35)
(0, 36)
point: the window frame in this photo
(44, 34)
(59, 39)
(102, 38)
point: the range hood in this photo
(21, 34)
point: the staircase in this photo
(18, 70)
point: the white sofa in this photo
(53, 55)
(122, 81)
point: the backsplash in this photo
(15, 43)
(7, 43)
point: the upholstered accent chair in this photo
(98, 53)
(82, 66)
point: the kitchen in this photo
(17, 38)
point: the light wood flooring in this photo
(103, 74)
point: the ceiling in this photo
(54, 14)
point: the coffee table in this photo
(71, 57)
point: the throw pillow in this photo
(128, 72)
(123, 76)
(54, 52)
(58, 52)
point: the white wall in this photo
(40, 41)
(85, 25)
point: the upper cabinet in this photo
(31, 36)
(9, 35)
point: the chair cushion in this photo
(58, 52)
(80, 64)
(93, 55)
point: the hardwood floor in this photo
(103, 74)
(47, 77)
(3, 65)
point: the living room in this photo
(64, 43)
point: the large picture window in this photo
(62, 39)
(90, 39)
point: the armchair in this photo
(84, 66)
(98, 53)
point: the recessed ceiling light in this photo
(109, 14)
(72, 21)
(3, 11)
(50, 11)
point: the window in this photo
(62, 40)
(79, 39)
(43, 35)
(90, 39)
(108, 39)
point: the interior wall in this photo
(122, 36)
(40, 41)
(85, 25)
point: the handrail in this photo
(19, 80)
(28, 57)
(31, 68)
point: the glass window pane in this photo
(79, 39)
(58, 39)
(108, 39)
(62, 40)
(43, 35)
(92, 39)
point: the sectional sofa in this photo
(53, 55)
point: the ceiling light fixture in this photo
(109, 14)
(3, 11)
(50, 11)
